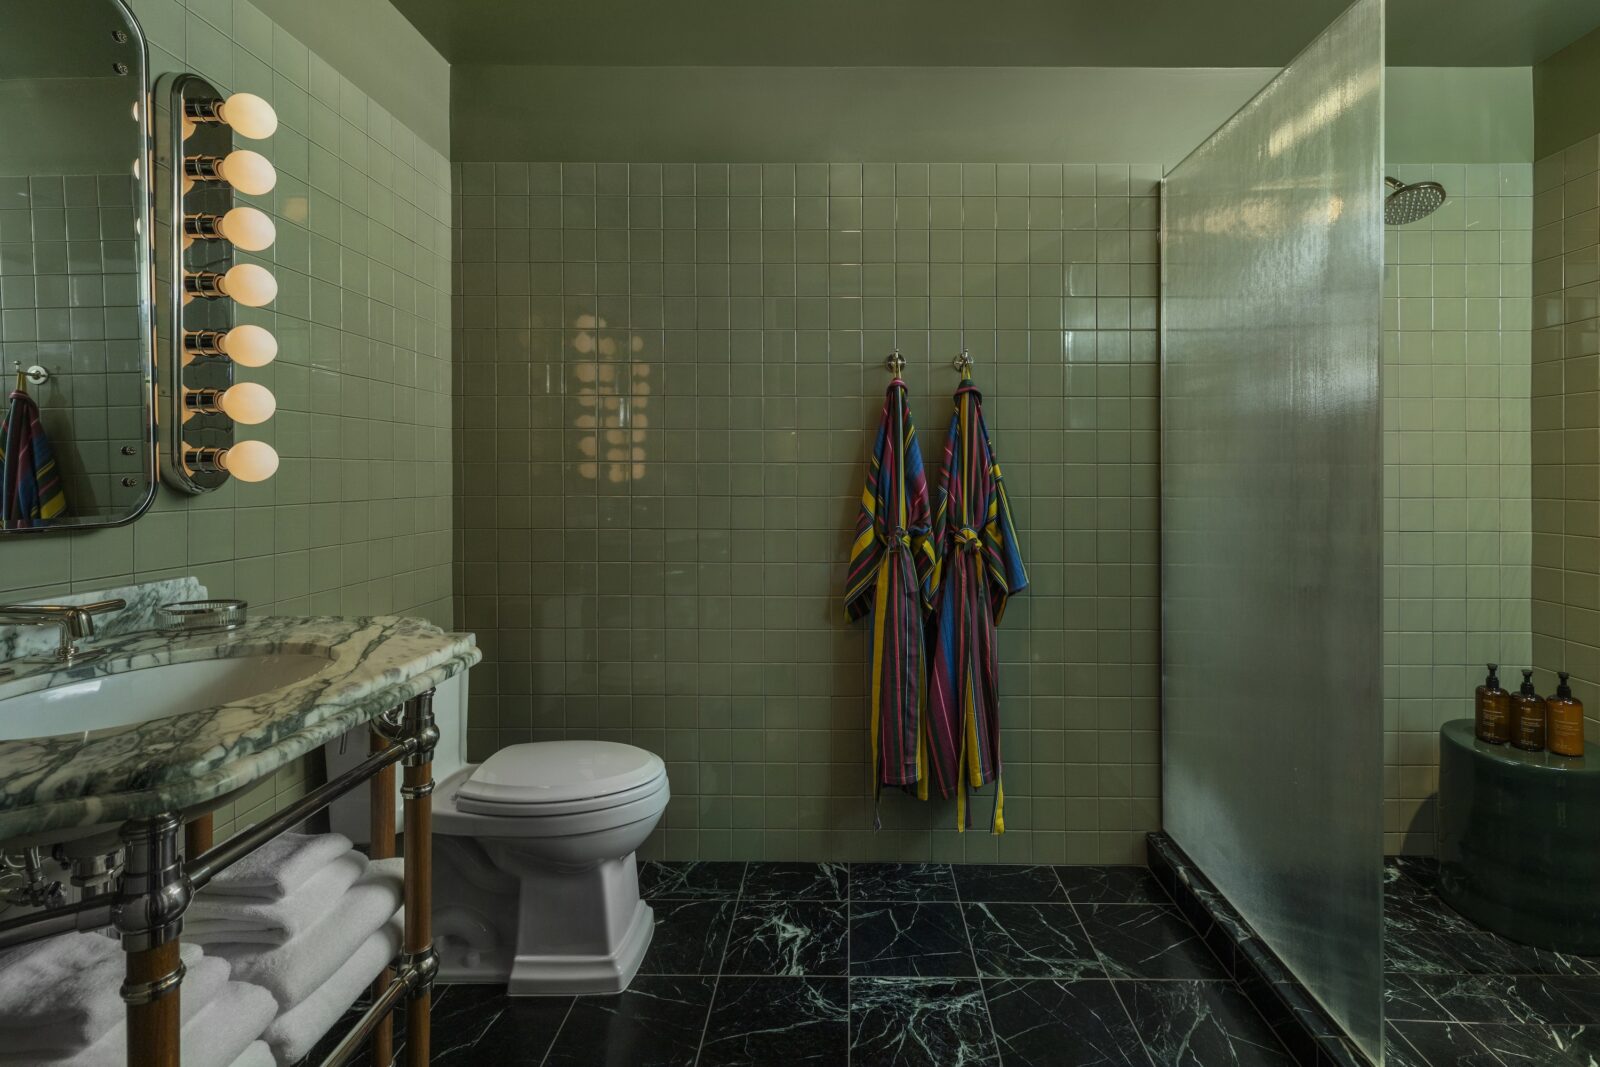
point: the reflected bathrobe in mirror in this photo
(890, 575)
(979, 567)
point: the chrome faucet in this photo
(75, 620)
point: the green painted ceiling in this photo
(1000, 33)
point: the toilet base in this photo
(611, 972)
(506, 910)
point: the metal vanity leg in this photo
(149, 917)
(418, 953)
(381, 790)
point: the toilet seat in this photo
(551, 778)
(553, 789)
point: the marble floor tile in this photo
(520, 1036)
(903, 940)
(788, 938)
(903, 1022)
(656, 1023)
(689, 936)
(1541, 1046)
(797, 881)
(1046, 1023)
(1201, 1024)
(1030, 941)
(990, 882)
(1414, 1044)
(902, 881)
(660, 880)
(758, 1022)
(1404, 998)
(1111, 885)
(462, 1015)
(1147, 941)
(1497, 998)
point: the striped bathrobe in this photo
(891, 568)
(979, 567)
(31, 490)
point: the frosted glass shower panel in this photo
(1271, 521)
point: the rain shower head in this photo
(1409, 203)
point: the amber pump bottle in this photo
(1527, 715)
(1492, 710)
(1566, 720)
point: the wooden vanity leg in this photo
(149, 917)
(198, 834)
(153, 1024)
(417, 791)
(382, 837)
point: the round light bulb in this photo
(249, 172)
(250, 461)
(248, 403)
(249, 115)
(249, 346)
(250, 285)
(248, 229)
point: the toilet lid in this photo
(557, 777)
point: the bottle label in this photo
(1566, 735)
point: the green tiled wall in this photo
(1566, 414)
(1457, 540)
(356, 521)
(666, 379)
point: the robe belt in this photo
(897, 540)
(968, 538)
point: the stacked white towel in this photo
(70, 1013)
(280, 866)
(239, 918)
(295, 1031)
(313, 934)
(62, 994)
(294, 970)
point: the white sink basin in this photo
(126, 698)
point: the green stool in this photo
(1519, 840)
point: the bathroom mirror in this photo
(76, 352)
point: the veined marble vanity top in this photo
(195, 759)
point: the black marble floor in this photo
(877, 964)
(1459, 996)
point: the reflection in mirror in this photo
(76, 445)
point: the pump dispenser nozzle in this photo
(1563, 690)
(1527, 681)
(1493, 681)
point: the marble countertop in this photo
(197, 758)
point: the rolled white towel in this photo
(280, 866)
(293, 1033)
(213, 1035)
(62, 994)
(257, 1054)
(293, 970)
(211, 920)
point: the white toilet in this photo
(535, 882)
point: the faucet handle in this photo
(80, 617)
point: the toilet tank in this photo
(349, 814)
